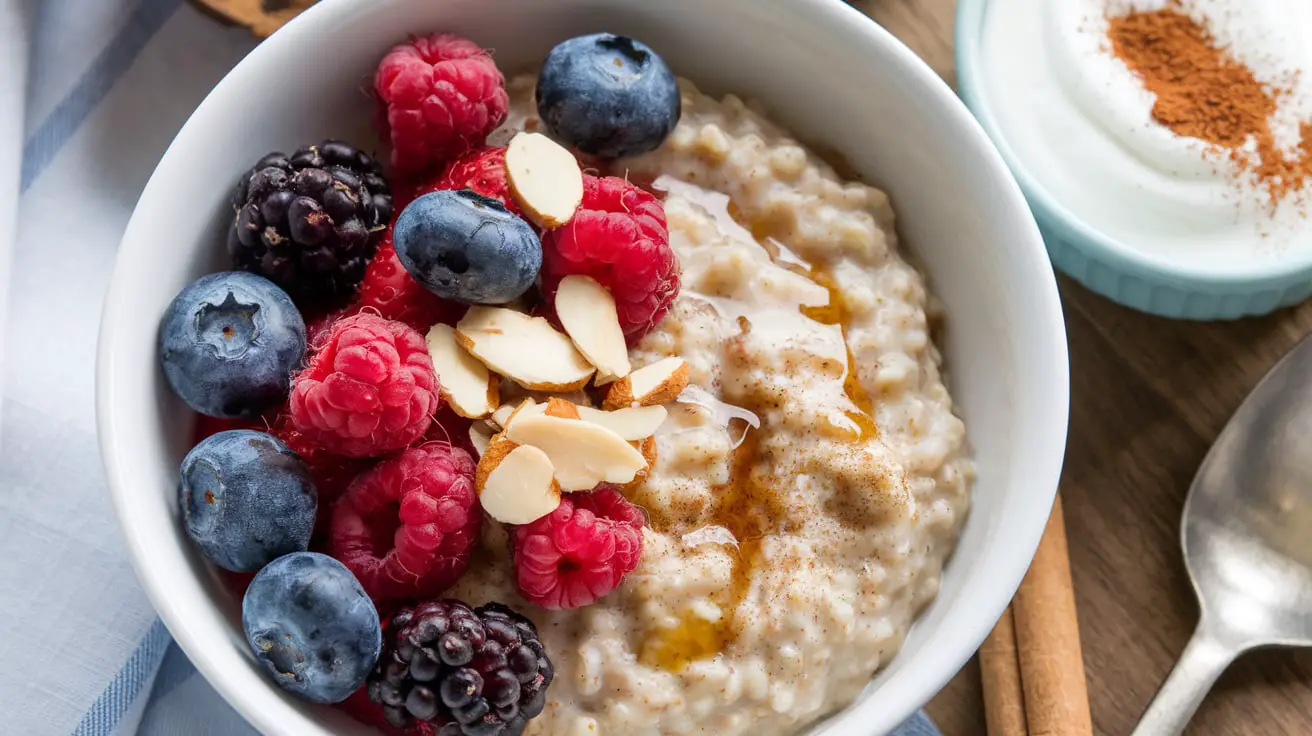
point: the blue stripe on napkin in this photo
(117, 57)
(127, 685)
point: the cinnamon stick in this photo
(999, 664)
(1048, 640)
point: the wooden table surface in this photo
(1148, 397)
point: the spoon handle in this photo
(1203, 660)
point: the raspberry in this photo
(407, 527)
(369, 389)
(237, 582)
(440, 96)
(617, 236)
(483, 171)
(331, 473)
(317, 328)
(391, 292)
(579, 552)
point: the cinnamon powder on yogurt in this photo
(1205, 93)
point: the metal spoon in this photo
(1247, 536)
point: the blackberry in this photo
(466, 672)
(311, 221)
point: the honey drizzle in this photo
(737, 507)
(835, 313)
(747, 504)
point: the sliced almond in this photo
(504, 413)
(648, 449)
(480, 436)
(527, 350)
(463, 381)
(650, 385)
(558, 407)
(526, 407)
(584, 454)
(631, 423)
(544, 179)
(587, 312)
(497, 448)
(521, 488)
(501, 417)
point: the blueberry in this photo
(608, 95)
(246, 499)
(229, 343)
(467, 248)
(311, 626)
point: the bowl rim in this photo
(1065, 225)
(953, 645)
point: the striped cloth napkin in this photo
(108, 84)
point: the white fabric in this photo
(110, 83)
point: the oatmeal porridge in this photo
(782, 566)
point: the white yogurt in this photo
(1080, 122)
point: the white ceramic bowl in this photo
(824, 70)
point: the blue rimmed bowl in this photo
(1113, 267)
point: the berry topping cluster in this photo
(402, 355)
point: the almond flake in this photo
(497, 448)
(544, 178)
(650, 385)
(480, 436)
(647, 448)
(501, 417)
(504, 413)
(464, 382)
(631, 423)
(584, 454)
(526, 407)
(527, 350)
(587, 312)
(520, 488)
(558, 407)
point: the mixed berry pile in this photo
(350, 371)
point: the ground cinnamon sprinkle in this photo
(1202, 92)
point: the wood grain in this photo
(1148, 397)
(262, 17)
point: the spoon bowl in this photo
(1247, 538)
